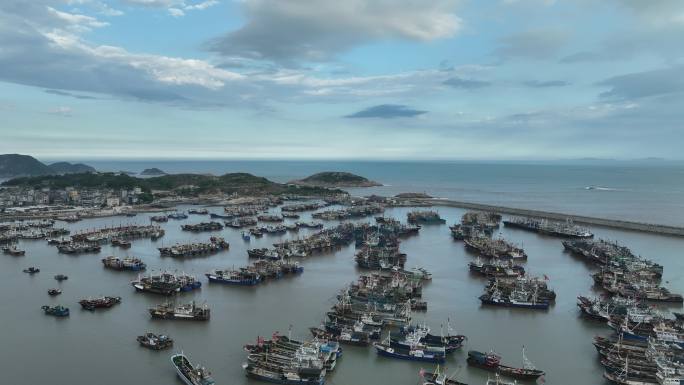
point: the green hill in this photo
(335, 179)
(241, 183)
(15, 165)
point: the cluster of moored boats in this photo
(190, 250)
(283, 360)
(202, 226)
(424, 217)
(646, 347)
(166, 283)
(256, 273)
(358, 211)
(565, 229)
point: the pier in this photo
(614, 223)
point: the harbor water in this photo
(100, 347)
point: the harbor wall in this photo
(614, 223)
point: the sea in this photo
(642, 191)
(100, 347)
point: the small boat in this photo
(61, 277)
(437, 378)
(246, 236)
(155, 341)
(181, 312)
(124, 244)
(492, 361)
(32, 270)
(96, 303)
(13, 251)
(190, 374)
(57, 311)
(177, 215)
(54, 292)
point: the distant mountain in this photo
(335, 179)
(17, 165)
(70, 168)
(152, 172)
(13, 165)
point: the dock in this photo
(613, 223)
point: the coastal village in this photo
(381, 310)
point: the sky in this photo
(353, 79)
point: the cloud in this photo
(533, 44)
(201, 6)
(65, 93)
(645, 84)
(297, 30)
(387, 111)
(175, 12)
(42, 47)
(175, 8)
(469, 84)
(61, 111)
(546, 83)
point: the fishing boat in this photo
(181, 312)
(155, 341)
(31, 270)
(517, 298)
(279, 375)
(159, 218)
(61, 277)
(246, 236)
(54, 292)
(437, 378)
(122, 243)
(56, 311)
(13, 251)
(408, 354)
(240, 277)
(177, 215)
(165, 284)
(131, 264)
(97, 303)
(492, 361)
(190, 374)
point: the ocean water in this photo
(639, 191)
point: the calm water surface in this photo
(639, 191)
(99, 347)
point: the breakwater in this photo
(614, 223)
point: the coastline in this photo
(613, 223)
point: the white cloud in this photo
(175, 12)
(77, 21)
(61, 111)
(201, 6)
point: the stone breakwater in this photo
(614, 223)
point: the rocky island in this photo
(335, 179)
(152, 172)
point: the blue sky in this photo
(360, 79)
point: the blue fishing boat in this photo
(246, 236)
(56, 311)
(409, 354)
